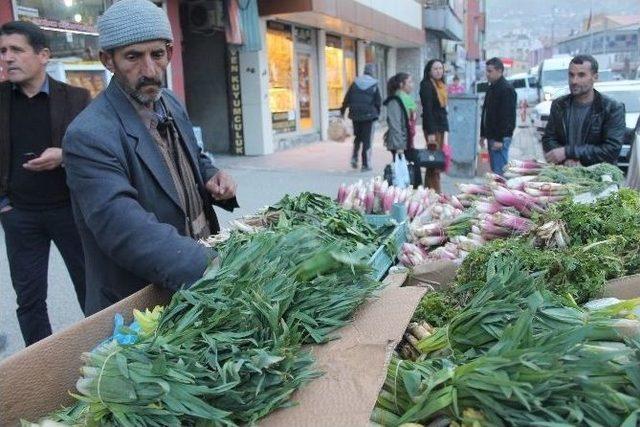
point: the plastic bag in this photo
(446, 150)
(337, 129)
(401, 172)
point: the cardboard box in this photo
(627, 287)
(434, 275)
(36, 381)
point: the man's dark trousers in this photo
(362, 131)
(28, 236)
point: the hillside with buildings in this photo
(540, 28)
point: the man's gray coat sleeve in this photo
(133, 237)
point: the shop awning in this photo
(345, 17)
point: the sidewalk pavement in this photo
(319, 167)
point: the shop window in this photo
(70, 26)
(305, 91)
(377, 55)
(281, 90)
(304, 36)
(350, 60)
(335, 71)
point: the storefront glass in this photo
(281, 88)
(305, 91)
(305, 48)
(70, 26)
(335, 71)
(377, 54)
(350, 60)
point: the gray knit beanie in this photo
(132, 21)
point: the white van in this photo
(526, 87)
(553, 75)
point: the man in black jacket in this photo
(363, 100)
(35, 206)
(585, 126)
(498, 116)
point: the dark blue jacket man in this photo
(142, 190)
(364, 102)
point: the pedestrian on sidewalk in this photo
(141, 188)
(363, 101)
(35, 207)
(585, 127)
(401, 120)
(434, 98)
(498, 116)
(456, 88)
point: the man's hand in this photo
(556, 156)
(483, 142)
(221, 186)
(50, 159)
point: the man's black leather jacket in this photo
(603, 130)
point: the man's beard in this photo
(138, 95)
(579, 90)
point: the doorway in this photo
(206, 90)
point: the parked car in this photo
(525, 85)
(608, 76)
(625, 91)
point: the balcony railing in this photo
(440, 18)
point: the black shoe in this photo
(354, 164)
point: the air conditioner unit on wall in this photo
(205, 16)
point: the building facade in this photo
(475, 30)
(280, 79)
(613, 40)
(312, 52)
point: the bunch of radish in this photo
(517, 168)
(412, 255)
(377, 197)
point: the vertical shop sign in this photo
(235, 102)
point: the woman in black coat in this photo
(434, 98)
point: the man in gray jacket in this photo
(141, 189)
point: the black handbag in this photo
(414, 174)
(432, 159)
(388, 174)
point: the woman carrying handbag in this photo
(434, 97)
(401, 119)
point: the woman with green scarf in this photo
(401, 119)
